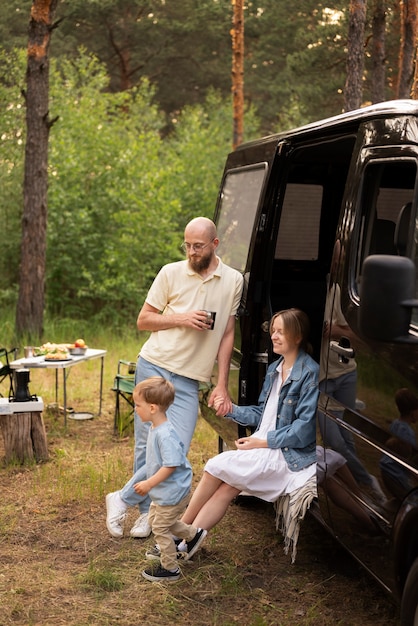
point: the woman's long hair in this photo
(296, 324)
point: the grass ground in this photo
(58, 564)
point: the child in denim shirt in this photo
(168, 482)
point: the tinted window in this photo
(298, 237)
(239, 201)
(386, 204)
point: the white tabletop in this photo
(41, 362)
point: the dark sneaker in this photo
(159, 574)
(195, 543)
(154, 553)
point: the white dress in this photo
(261, 472)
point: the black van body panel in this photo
(332, 207)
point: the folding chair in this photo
(123, 386)
(5, 369)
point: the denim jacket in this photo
(295, 430)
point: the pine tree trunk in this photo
(237, 34)
(378, 51)
(355, 61)
(30, 305)
(407, 50)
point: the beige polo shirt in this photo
(177, 289)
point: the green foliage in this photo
(144, 126)
(119, 194)
(295, 53)
(295, 61)
(196, 159)
(12, 143)
(182, 46)
(103, 172)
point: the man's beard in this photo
(201, 264)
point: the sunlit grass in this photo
(62, 565)
(83, 380)
(102, 577)
(72, 475)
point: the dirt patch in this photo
(58, 564)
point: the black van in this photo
(334, 205)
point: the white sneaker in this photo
(115, 514)
(141, 528)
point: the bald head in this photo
(200, 228)
(201, 241)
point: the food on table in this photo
(78, 348)
(53, 351)
(60, 351)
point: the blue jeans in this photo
(182, 414)
(343, 389)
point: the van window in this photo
(298, 237)
(237, 211)
(385, 212)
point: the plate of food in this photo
(53, 352)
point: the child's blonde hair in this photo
(156, 390)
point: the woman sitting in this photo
(279, 458)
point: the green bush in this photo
(121, 189)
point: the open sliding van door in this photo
(247, 194)
(277, 215)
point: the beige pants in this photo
(165, 522)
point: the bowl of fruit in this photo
(78, 348)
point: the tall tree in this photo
(407, 50)
(378, 51)
(355, 59)
(237, 34)
(31, 299)
(153, 39)
(414, 88)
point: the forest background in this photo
(140, 95)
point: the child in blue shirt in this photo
(168, 482)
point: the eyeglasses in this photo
(197, 247)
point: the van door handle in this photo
(343, 349)
(261, 357)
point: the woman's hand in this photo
(220, 401)
(248, 443)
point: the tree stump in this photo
(24, 437)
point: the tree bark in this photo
(355, 60)
(407, 50)
(378, 51)
(24, 437)
(414, 89)
(237, 34)
(30, 305)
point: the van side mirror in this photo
(387, 297)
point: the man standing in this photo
(190, 311)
